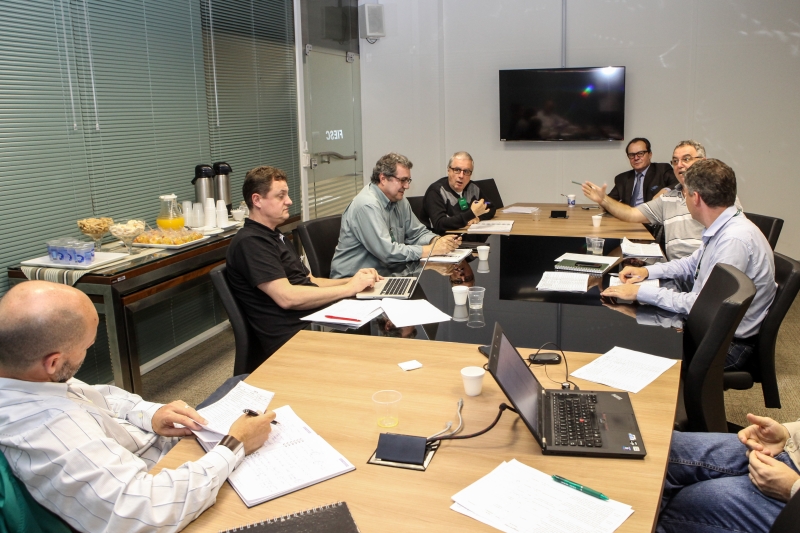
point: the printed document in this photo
(221, 414)
(624, 369)
(564, 282)
(517, 498)
(520, 209)
(404, 313)
(641, 250)
(455, 257)
(352, 313)
(491, 226)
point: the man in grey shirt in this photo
(378, 227)
(682, 232)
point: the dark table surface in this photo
(531, 318)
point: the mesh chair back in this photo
(707, 334)
(320, 237)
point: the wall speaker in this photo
(370, 21)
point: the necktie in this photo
(637, 190)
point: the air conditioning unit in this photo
(370, 21)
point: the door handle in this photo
(325, 157)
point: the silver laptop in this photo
(401, 287)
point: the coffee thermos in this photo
(222, 183)
(203, 183)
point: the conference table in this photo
(328, 380)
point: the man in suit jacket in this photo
(645, 180)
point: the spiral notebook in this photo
(333, 518)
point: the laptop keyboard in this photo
(574, 420)
(395, 286)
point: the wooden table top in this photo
(579, 223)
(328, 379)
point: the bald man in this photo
(83, 451)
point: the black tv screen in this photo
(562, 104)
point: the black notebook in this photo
(333, 518)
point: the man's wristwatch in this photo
(232, 443)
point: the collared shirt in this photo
(83, 452)
(377, 233)
(682, 233)
(733, 240)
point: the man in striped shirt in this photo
(83, 451)
(683, 234)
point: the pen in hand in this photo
(251, 412)
(578, 486)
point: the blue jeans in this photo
(707, 488)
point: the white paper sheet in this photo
(221, 414)
(624, 369)
(608, 260)
(564, 282)
(517, 498)
(358, 311)
(491, 226)
(613, 281)
(456, 256)
(520, 209)
(404, 313)
(641, 250)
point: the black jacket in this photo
(658, 176)
(442, 209)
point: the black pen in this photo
(250, 412)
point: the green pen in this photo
(578, 486)
(577, 182)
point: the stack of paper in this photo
(569, 262)
(515, 497)
(641, 250)
(455, 257)
(221, 414)
(564, 282)
(491, 226)
(624, 369)
(520, 209)
(352, 313)
(404, 313)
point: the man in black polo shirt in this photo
(264, 272)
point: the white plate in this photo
(170, 246)
(100, 258)
(215, 229)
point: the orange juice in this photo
(170, 223)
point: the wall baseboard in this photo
(181, 348)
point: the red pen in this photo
(342, 318)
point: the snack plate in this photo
(171, 246)
(100, 258)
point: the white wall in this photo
(726, 73)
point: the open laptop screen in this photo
(517, 382)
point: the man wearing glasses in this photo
(454, 201)
(646, 180)
(378, 227)
(682, 233)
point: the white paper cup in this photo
(596, 220)
(460, 294)
(483, 253)
(473, 380)
(571, 200)
(460, 313)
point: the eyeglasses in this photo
(685, 159)
(404, 181)
(456, 170)
(637, 155)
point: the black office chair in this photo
(770, 226)
(417, 206)
(762, 369)
(788, 518)
(319, 238)
(248, 349)
(489, 192)
(707, 334)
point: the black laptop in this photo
(565, 422)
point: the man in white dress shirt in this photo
(83, 451)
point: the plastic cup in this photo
(483, 253)
(473, 380)
(387, 403)
(596, 220)
(475, 318)
(476, 297)
(536, 214)
(460, 294)
(571, 200)
(460, 313)
(597, 246)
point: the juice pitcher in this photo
(170, 216)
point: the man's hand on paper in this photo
(177, 412)
(631, 274)
(252, 431)
(764, 435)
(622, 292)
(445, 245)
(364, 279)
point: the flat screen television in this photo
(562, 104)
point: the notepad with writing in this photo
(333, 518)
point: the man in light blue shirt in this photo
(710, 191)
(378, 227)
